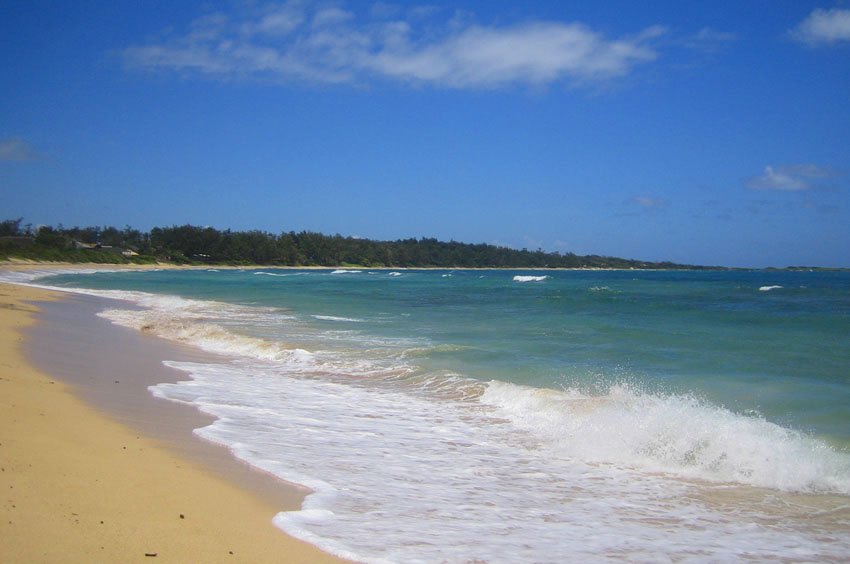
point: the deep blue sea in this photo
(527, 416)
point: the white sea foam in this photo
(530, 278)
(336, 318)
(603, 289)
(250, 332)
(346, 272)
(400, 477)
(279, 274)
(189, 327)
(31, 277)
(678, 435)
(769, 288)
(394, 274)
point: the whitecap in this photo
(262, 273)
(675, 434)
(336, 318)
(602, 289)
(530, 278)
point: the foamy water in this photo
(404, 478)
(769, 288)
(523, 278)
(414, 458)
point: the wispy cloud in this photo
(709, 40)
(640, 205)
(824, 27)
(16, 149)
(790, 178)
(298, 41)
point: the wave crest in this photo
(337, 318)
(530, 278)
(675, 434)
(210, 337)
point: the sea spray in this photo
(676, 434)
(519, 278)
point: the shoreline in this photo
(26, 265)
(111, 367)
(102, 488)
(13, 263)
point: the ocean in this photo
(527, 416)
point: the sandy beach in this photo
(82, 485)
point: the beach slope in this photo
(79, 487)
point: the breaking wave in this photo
(336, 318)
(674, 434)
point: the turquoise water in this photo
(783, 352)
(566, 395)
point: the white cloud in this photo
(709, 34)
(536, 53)
(331, 16)
(789, 178)
(16, 149)
(280, 20)
(291, 43)
(824, 27)
(709, 40)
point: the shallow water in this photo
(525, 416)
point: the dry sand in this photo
(81, 487)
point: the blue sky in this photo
(711, 133)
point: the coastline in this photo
(102, 490)
(15, 264)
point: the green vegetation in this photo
(106, 245)
(188, 244)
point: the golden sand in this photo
(79, 487)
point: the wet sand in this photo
(99, 471)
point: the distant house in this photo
(107, 248)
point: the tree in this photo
(52, 238)
(11, 227)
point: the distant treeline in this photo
(189, 244)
